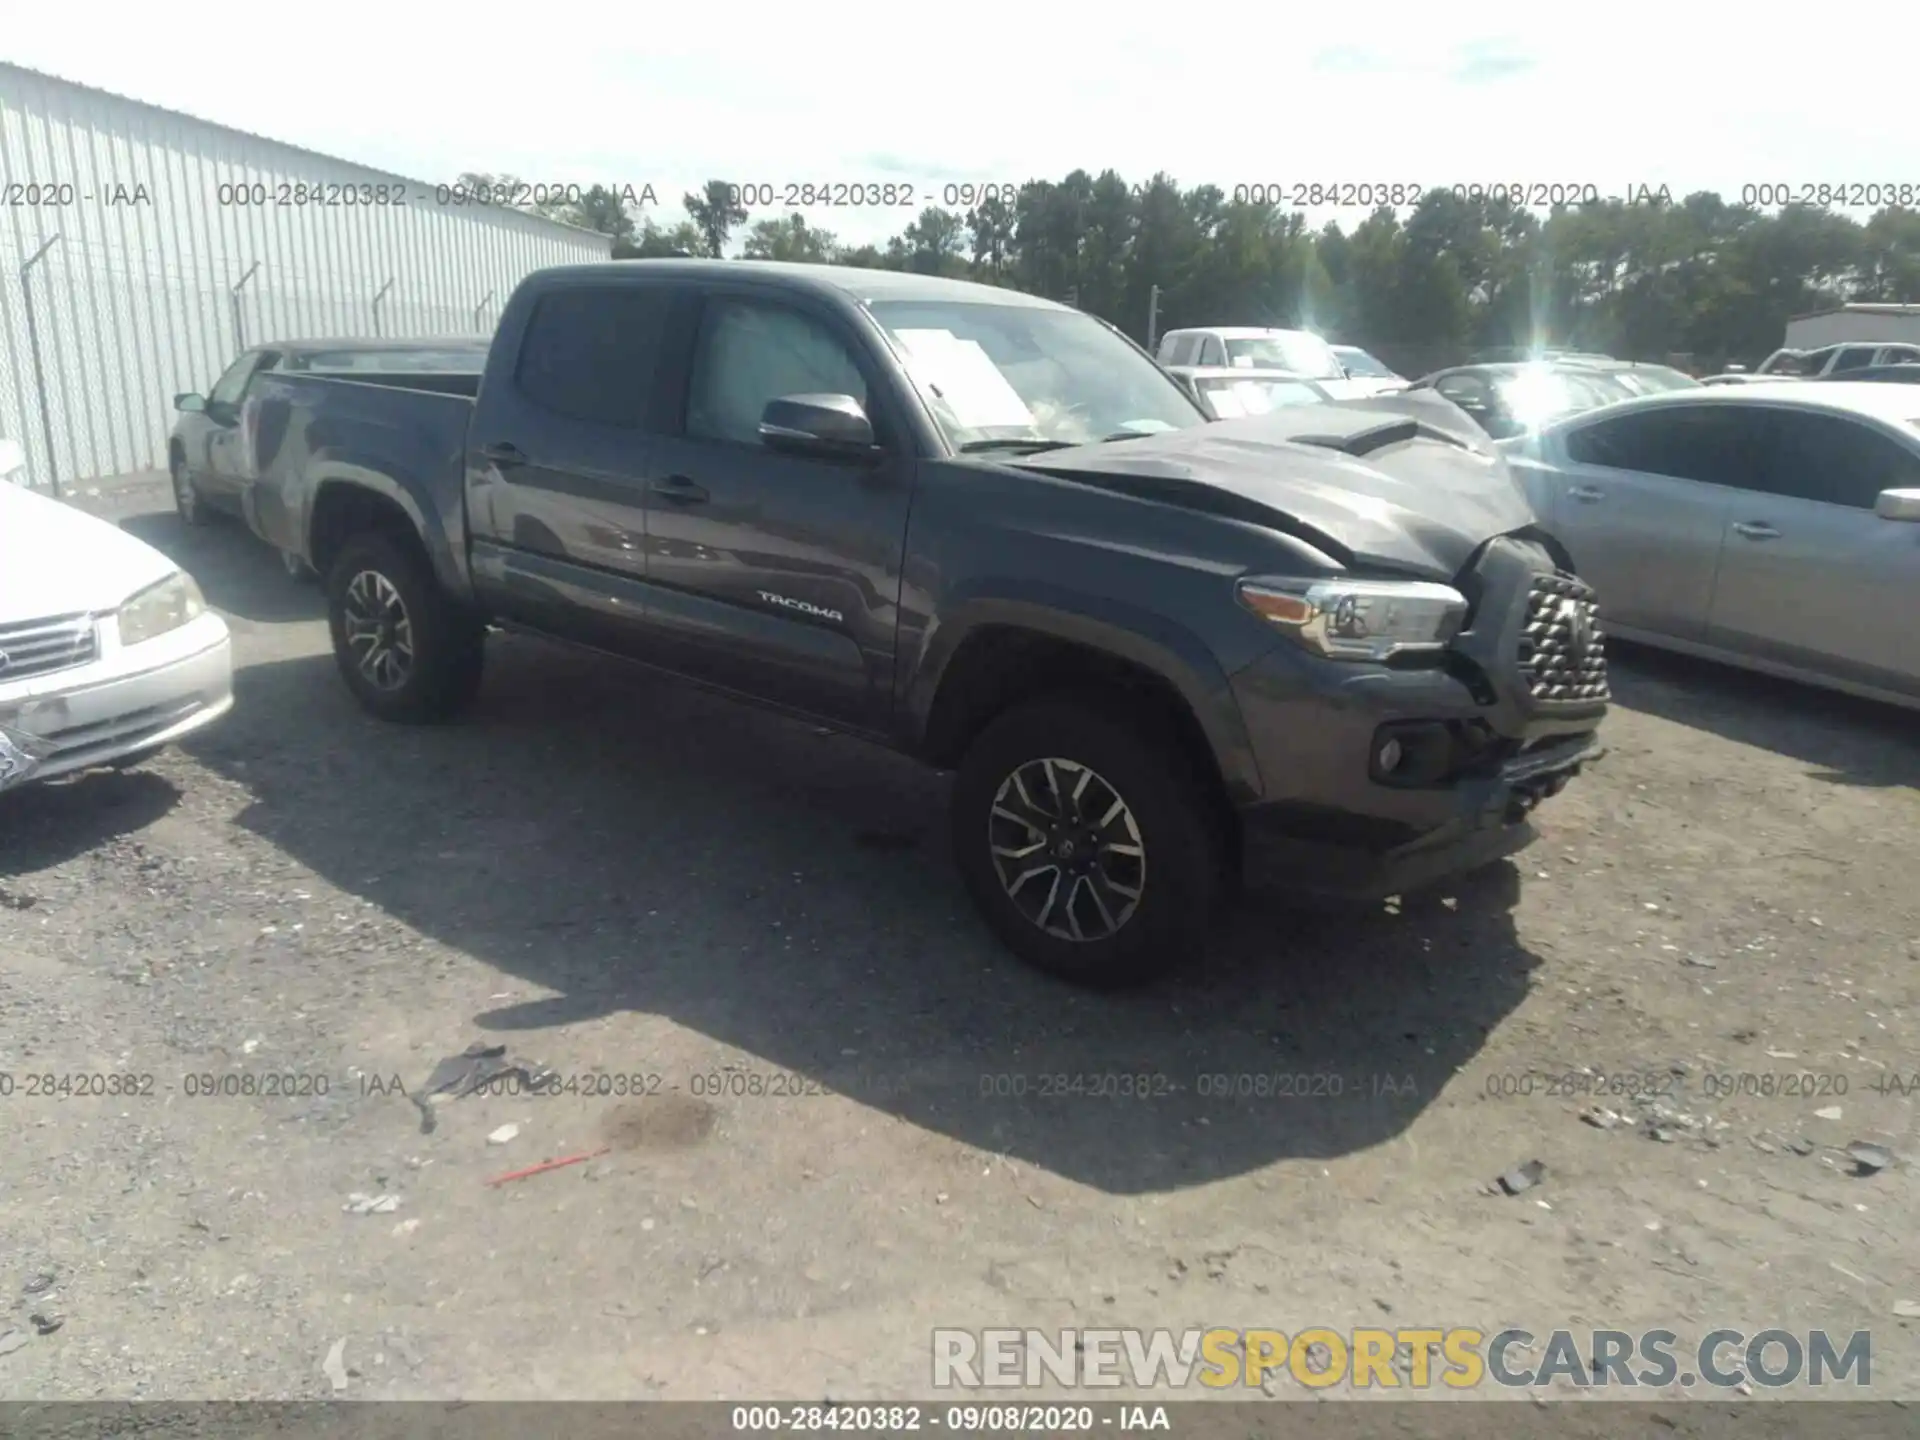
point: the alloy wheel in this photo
(378, 630)
(1067, 849)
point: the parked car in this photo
(1836, 359)
(1229, 394)
(1298, 352)
(205, 454)
(108, 652)
(1744, 377)
(1527, 355)
(1359, 365)
(1904, 374)
(1509, 400)
(1769, 526)
(988, 531)
(1638, 377)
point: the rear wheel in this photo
(1086, 843)
(186, 495)
(406, 649)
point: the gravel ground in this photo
(822, 1131)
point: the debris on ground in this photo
(1699, 962)
(39, 1284)
(1907, 1309)
(1602, 1118)
(475, 1067)
(1523, 1177)
(12, 1341)
(1868, 1158)
(359, 1204)
(1801, 1146)
(46, 1321)
(546, 1165)
(503, 1134)
(1663, 1121)
(1828, 1112)
(334, 1367)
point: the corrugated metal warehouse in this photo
(141, 250)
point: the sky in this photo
(1618, 96)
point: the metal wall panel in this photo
(166, 245)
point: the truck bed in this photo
(399, 433)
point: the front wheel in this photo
(1086, 843)
(407, 649)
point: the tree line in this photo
(1695, 279)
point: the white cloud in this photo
(1614, 95)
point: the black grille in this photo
(40, 647)
(1563, 653)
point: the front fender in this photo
(1141, 637)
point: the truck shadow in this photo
(240, 576)
(634, 845)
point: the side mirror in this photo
(1898, 505)
(830, 426)
(189, 403)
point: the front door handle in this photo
(1586, 494)
(678, 487)
(503, 452)
(1755, 530)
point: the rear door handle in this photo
(503, 452)
(1755, 531)
(678, 487)
(1586, 494)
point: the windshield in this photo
(1231, 399)
(1017, 372)
(1359, 362)
(1293, 350)
(1786, 362)
(390, 361)
(1533, 397)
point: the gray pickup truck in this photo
(1326, 645)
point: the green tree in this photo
(790, 239)
(715, 211)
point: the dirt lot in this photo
(611, 874)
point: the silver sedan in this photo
(1775, 527)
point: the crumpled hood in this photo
(55, 560)
(1416, 504)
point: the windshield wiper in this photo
(1028, 446)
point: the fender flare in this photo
(1169, 651)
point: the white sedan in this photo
(107, 649)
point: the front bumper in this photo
(131, 700)
(1496, 731)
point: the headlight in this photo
(160, 608)
(1359, 619)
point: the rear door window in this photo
(592, 352)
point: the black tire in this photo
(1179, 874)
(438, 675)
(186, 495)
